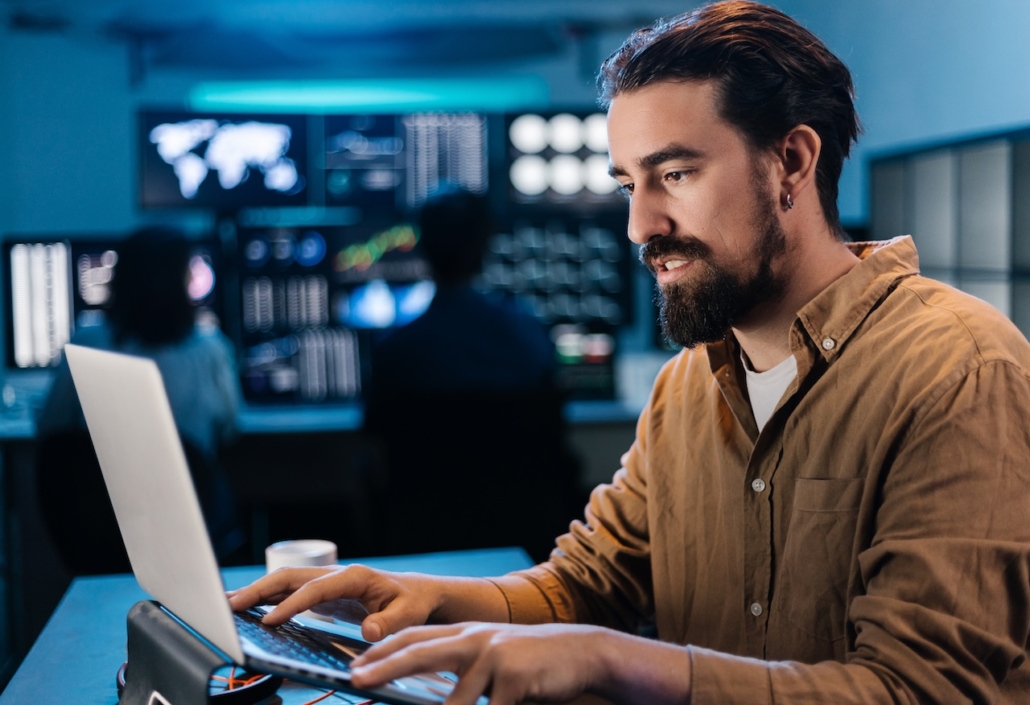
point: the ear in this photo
(798, 153)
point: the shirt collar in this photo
(833, 315)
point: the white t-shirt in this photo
(765, 389)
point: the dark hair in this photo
(150, 300)
(454, 229)
(771, 73)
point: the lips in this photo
(671, 257)
(671, 270)
(667, 263)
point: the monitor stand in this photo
(169, 665)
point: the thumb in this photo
(397, 615)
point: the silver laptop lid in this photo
(144, 467)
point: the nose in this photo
(647, 218)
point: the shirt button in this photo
(758, 485)
(829, 343)
(756, 609)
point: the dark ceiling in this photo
(351, 35)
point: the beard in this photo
(703, 308)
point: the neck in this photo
(816, 260)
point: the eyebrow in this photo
(674, 151)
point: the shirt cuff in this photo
(535, 596)
(738, 680)
(721, 678)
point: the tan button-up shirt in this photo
(871, 544)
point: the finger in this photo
(506, 691)
(350, 583)
(280, 582)
(473, 683)
(405, 638)
(454, 654)
(351, 611)
(274, 599)
(393, 616)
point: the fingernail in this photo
(375, 632)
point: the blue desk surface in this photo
(77, 655)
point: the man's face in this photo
(701, 207)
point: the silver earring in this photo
(790, 203)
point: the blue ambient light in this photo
(370, 95)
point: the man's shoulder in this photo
(689, 367)
(209, 337)
(206, 343)
(97, 335)
(955, 321)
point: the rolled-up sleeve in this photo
(600, 571)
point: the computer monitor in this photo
(310, 298)
(58, 284)
(38, 302)
(379, 162)
(574, 273)
(559, 159)
(222, 161)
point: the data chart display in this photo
(395, 161)
(308, 294)
(56, 285)
(573, 273)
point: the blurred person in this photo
(151, 316)
(472, 376)
(828, 497)
(466, 340)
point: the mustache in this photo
(665, 247)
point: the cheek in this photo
(719, 218)
(733, 232)
(699, 210)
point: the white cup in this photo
(300, 554)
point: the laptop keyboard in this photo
(289, 641)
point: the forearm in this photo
(637, 670)
(632, 670)
(468, 600)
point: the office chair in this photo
(473, 470)
(77, 512)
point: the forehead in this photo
(649, 119)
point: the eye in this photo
(677, 176)
(626, 190)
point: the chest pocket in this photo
(817, 556)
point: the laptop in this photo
(144, 467)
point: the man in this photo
(829, 493)
(465, 340)
(478, 368)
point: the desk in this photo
(79, 651)
(323, 454)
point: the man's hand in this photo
(382, 602)
(546, 663)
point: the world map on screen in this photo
(194, 148)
